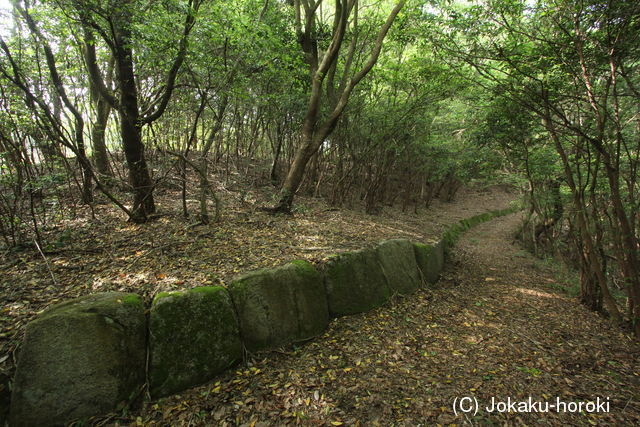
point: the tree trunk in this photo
(587, 242)
(629, 263)
(315, 131)
(296, 173)
(130, 126)
(276, 157)
(85, 166)
(98, 130)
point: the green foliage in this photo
(534, 372)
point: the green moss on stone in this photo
(79, 359)
(426, 259)
(423, 247)
(280, 305)
(450, 236)
(303, 264)
(398, 260)
(355, 283)
(438, 254)
(161, 295)
(211, 290)
(132, 299)
(193, 336)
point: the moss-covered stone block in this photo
(280, 305)
(473, 221)
(478, 219)
(398, 260)
(438, 256)
(427, 262)
(193, 336)
(80, 358)
(450, 236)
(355, 283)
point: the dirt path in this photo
(493, 327)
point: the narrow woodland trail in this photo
(494, 326)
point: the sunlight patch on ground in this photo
(536, 293)
(473, 339)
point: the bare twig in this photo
(148, 251)
(46, 261)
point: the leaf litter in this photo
(402, 364)
(406, 362)
(108, 254)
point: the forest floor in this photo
(497, 325)
(171, 253)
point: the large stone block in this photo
(355, 283)
(398, 260)
(427, 261)
(280, 305)
(192, 336)
(80, 358)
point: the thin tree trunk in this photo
(98, 131)
(590, 252)
(314, 132)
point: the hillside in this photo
(172, 254)
(496, 326)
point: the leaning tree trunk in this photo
(315, 131)
(296, 172)
(584, 232)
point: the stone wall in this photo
(87, 356)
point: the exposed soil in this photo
(496, 326)
(172, 253)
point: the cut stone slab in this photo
(398, 260)
(355, 283)
(80, 358)
(193, 336)
(427, 261)
(280, 305)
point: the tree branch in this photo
(152, 115)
